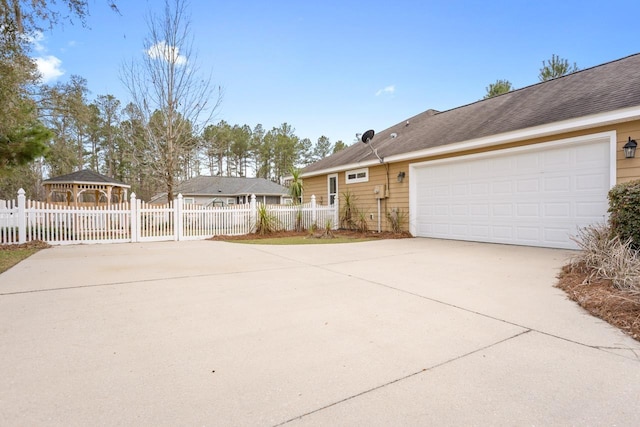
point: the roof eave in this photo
(115, 184)
(571, 125)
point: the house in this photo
(527, 167)
(85, 188)
(226, 190)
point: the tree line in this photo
(551, 69)
(111, 138)
(163, 136)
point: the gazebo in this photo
(85, 188)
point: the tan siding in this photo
(627, 169)
(315, 186)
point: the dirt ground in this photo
(318, 234)
(600, 298)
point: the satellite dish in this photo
(394, 135)
(367, 136)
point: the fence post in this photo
(135, 224)
(314, 215)
(178, 221)
(22, 217)
(252, 214)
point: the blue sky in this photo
(337, 68)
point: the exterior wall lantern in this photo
(401, 176)
(630, 149)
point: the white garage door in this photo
(534, 196)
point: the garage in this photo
(536, 195)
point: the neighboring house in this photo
(85, 188)
(527, 167)
(225, 190)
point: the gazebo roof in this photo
(85, 176)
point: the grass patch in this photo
(301, 240)
(11, 255)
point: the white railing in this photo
(136, 221)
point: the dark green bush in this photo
(624, 211)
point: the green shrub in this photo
(348, 211)
(266, 223)
(624, 212)
(362, 223)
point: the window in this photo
(189, 200)
(358, 175)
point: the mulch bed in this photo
(337, 233)
(600, 298)
(36, 244)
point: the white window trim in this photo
(356, 172)
(189, 200)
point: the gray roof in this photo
(604, 88)
(229, 186)
(85, 176)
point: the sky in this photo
(337, 68)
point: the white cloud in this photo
(49, 67)
(36, 40)
(162, 50)
(388, 90)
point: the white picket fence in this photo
(23, 221)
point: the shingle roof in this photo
(225, 185)
(604, 88)
(85, 176)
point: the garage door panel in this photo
(591, 155)
(503, 233)
(556, 183)
(538, 197)
(479, 188)
(593, 181)
(557, 210)
(557, 234)
(460, 189)
(502, 187)
(529, 234)
(459, 211)
(591, 209)
(557, 159)
(524, 210)
(528, 185)
(480, 231)
(502, 209)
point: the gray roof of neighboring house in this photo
(604, 88)
(226, 186)
(84, 176)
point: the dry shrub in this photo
(605, 256)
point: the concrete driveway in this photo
(393, 332)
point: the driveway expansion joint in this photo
(389, 383)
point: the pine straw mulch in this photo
(600, 298)
(318, 234)
(35, 244)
